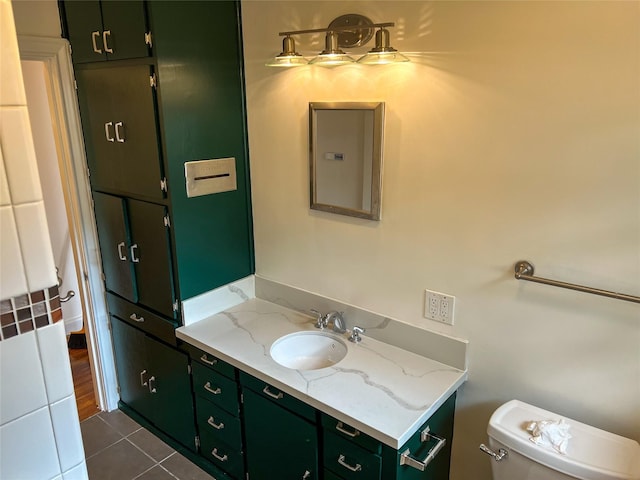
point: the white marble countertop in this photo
(382, 390)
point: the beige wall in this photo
(513, 134)
(37, 17)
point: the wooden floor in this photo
(83, 383)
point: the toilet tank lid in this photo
(592, 454)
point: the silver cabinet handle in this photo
(152, 388)
(224, 458)
(206, 360)
(119, 138)
(133, 249)
(121, 255)
(95, 35)
(136, 318)
(307, 474)
(207, 387)
(277, 396)
(425, 436)
(352, 434)
(217, 426)
(143, 382)
(341, 461)
(105, 34)
(106, 132)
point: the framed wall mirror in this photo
(345, 157)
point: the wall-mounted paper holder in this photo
(204, 177)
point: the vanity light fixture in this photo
(382, 53)
(351, 30)
(288, 57)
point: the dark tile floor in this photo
(117, 448)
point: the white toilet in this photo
(592, 454)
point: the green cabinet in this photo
(117, 106)
(154, 380)
(349, 454)
(134, 245)
(280, 443)
(107, 30)
(218, 410)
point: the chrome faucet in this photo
(335, 318)
(339, 325)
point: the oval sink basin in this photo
(308, 350)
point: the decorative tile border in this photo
(29, 311)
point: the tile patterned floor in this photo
(117, 448)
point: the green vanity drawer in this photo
(216, 388)
(347, 432)
(142, 318)
(350, 461)
(283, 399)
(225, 457)
(214, 422)
(210, 361)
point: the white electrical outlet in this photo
(439, 306)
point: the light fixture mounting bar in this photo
(338, 29)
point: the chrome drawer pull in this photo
(121, 255)
(206, 360)
(105, 34)
(119, 138)
(152, 388)
(95, 35)
(425, 436)
(272, 395)
(106, 132)
(217, 426)
(136, 318)
(133, 249)
(341, 461)
(340, 428)
(224, 458)
(207, 387)
(143, 382)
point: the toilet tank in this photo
(592, 454)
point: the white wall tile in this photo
(66, 428)
(21, 380)
(29, 447)
(78, 472)
(5, 197)
(55, 362)
(19, 155)
(37, 256)
(13, 281)
(11, 88)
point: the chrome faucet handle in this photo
(355, 334)
(320, 320)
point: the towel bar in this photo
(524, 271)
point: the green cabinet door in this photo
(154, 380)
(135, 249)
(151, 255)
(129, 347)
(279, 444)
(108, 30)
(114, 245)
(117, 106)
(170, 384)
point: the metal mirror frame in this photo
(376, 158)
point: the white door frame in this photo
(67, 131)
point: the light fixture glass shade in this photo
(382, 53)
(332, 55)
(288, 57)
